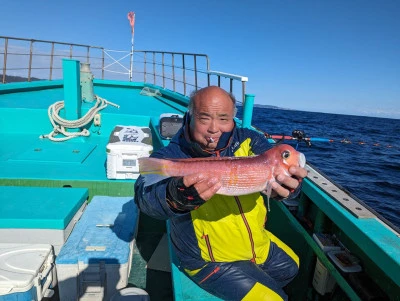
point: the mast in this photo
(131, 18)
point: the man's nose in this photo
(213, 127)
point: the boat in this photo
(72, 129)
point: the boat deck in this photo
(28, 160)
(29, 157)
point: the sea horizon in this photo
(272, 107)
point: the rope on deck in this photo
(60, 124)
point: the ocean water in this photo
(368, 167)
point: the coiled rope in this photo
(60, 124)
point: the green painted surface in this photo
(248, 110)
(302, 243)
(39, 207)
(72, 89)
(110, 188)
(379, 242)
(40, 152)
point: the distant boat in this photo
(75, 137)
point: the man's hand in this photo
(205, 185)
(188, 193)
(287, 184)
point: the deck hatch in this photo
(56, 153)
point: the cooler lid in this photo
(131, 134)
(20, 264)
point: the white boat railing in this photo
(31, 60)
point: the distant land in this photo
(264, 106)
(16, 79)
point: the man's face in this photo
(212, 115)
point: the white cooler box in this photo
(26, 271)
(96, 259)
(126, 145)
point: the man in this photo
(221, 241)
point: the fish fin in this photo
(153, 170)
(268, 192)
(151, 178)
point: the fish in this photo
(238, 175)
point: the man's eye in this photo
(204, 120)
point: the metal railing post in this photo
(184, 74)
(51, 61)
(154, 67)
(195, 72)
(145, 64)
(102, 63)
(243, 91)
(5, 60)
(173, 71)
(163, 75)
(30, 61)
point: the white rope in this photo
(60, 124)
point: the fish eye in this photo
(285, 154)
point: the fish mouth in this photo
(302, 160)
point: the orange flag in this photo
(131, 18)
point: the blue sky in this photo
(327, 56)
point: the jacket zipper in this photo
(246, 223)
(205, 236)
(215, 271)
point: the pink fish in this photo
(238, 175)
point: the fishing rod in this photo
(279, 137)
(297, 135)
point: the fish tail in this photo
(153, 166)
(153, 170)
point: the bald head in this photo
(208, 94)
(211, 110)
